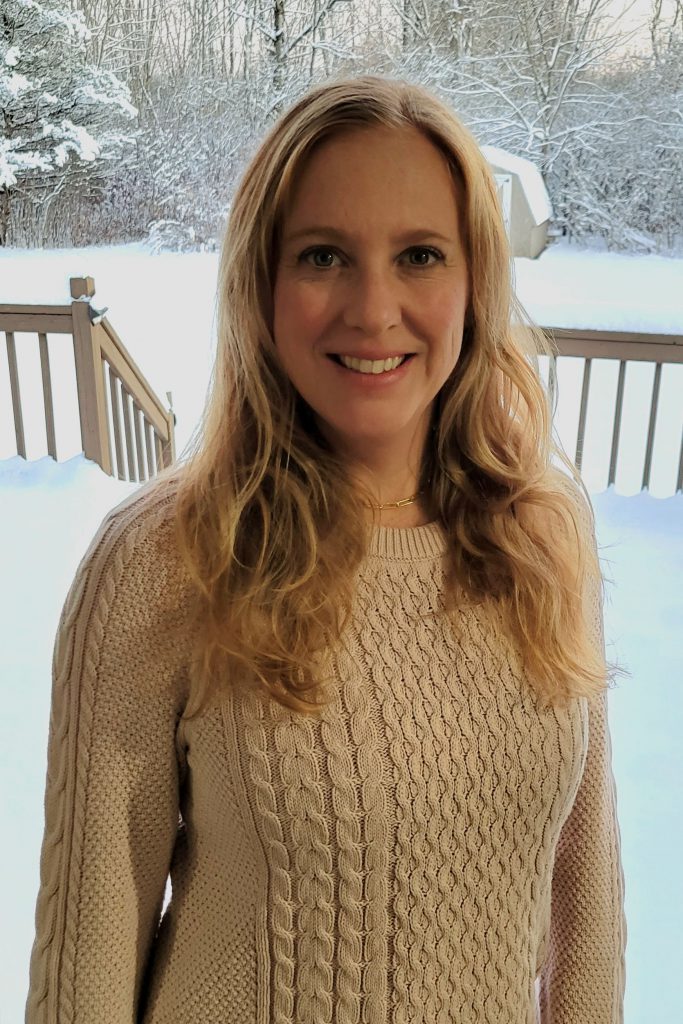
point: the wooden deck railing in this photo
(626, 347)
(128, 432)
(141, 429)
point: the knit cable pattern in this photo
(421, 854)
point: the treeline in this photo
(130, 119)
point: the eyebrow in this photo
(341, 236)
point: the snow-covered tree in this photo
(550, 80)
(61, 117)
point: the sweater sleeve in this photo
(583, 978)
(111, 796)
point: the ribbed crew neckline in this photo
(425, 541)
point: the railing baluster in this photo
(158, 451)
(108, 412)
(582, 414)
(148, 446)
(16, 394)
(142, 472)
(128, 430)
(616, 429)
(552, 382)
(115, 413)
(47, 395)
(654, 401)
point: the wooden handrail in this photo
(21, 310)
(56, 319)
(103, 366)
(627, 345)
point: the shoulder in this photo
(131, 574)
(137, 529)
(141, 526)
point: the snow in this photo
(72, 22)
(641, 543)
(111, 91)
(76, 140)
(7, 175)
(12, 56)
(16, 83)
(530, 178)
(12, 159)
(587, 288)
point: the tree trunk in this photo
(278, 53)
(5, 208)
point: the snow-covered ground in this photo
(589, 288)
(163, 308)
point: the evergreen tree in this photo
(62, 119)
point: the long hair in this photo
(269, 522)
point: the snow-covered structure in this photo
(525, 201)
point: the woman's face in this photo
(371, 266)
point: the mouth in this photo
(371, 367)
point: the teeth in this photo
(371, 365)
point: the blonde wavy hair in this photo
(268, 521)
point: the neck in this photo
(388, 484)
(390, 472)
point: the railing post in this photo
(89, 380)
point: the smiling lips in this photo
(371, 366)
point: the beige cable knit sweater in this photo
(418, 856)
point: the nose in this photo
(372, 302)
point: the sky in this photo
(634, 16)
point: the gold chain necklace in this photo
(396, 504)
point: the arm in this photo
(583, 978)
(111, 798)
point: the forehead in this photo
(369, 177)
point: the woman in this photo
(341, 672)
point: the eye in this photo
(316, 250)
(425, 250)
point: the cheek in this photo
(297, 325)
(297, 311)
(282, 312)
(444, 312)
